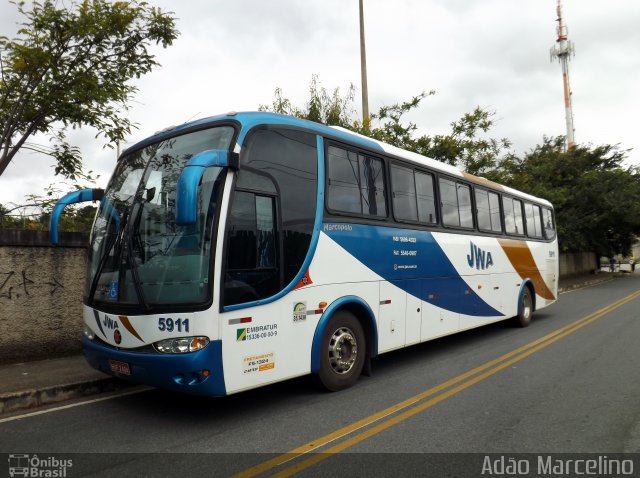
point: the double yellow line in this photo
(401, 411)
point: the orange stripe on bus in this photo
(127, 325)
(484, 181)
(520, 256)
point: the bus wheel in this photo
(343, 352)
(525, 308)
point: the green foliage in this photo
(597, 200)
(35, 212)
(322, 107)
(70, 67)
(465, 147)
(391, 129)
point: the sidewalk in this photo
(585, 280)
(33, 384)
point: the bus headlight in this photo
(88, 333)
(181, 345)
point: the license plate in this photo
(121, 368)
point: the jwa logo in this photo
(479, 258)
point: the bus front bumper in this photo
(198, 373)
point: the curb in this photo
(582, 285)
(589, 283)
(25, 399)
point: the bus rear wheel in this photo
(525, 308)
(343, 352)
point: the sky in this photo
(232, 55)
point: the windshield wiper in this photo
(135, 277)
(117, 239)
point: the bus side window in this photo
(372, 186)
(547, 222)
(513, 216)
(517, 214)
(356, 183)
(449, 203)
(532, 214)
(272, 213)
(494, 211)
(488, 209)
(456, 204)
(404, 194)
(482, 207)
(426, 198)
(344, 181)
(413, 195)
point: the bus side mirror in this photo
(83, 195)
(187, 188)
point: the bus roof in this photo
(248, 120)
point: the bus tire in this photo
(343, 352)
(525, 308)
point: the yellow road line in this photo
(423, 406)
(500, 363)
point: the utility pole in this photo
(363, 71)
(562, 50)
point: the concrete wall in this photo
(574, 263)
(41, 291)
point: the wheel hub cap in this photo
(343, 350)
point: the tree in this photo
(322, 107)
(597, 200)
(70, 67)
(34, 213)
(464, 147)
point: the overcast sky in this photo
(231, 55)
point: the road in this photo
(569, 383)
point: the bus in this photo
(248, 248)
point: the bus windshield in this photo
(140, 257)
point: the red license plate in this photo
(121, 368)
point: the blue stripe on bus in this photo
(428, 274)
(250, 120)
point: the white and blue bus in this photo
(244, 249)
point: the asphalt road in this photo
(569, 383)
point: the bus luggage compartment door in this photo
(391, 316)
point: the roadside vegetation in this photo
(71, 65)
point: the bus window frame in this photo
(456, 181)
(526, 224)
(436, 195)
(328, 142)
(522, 234)
(285, 288)
(553, 220)
(490, 232)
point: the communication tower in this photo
(563, 50)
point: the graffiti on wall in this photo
(20, 284)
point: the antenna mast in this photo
(563, 50)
